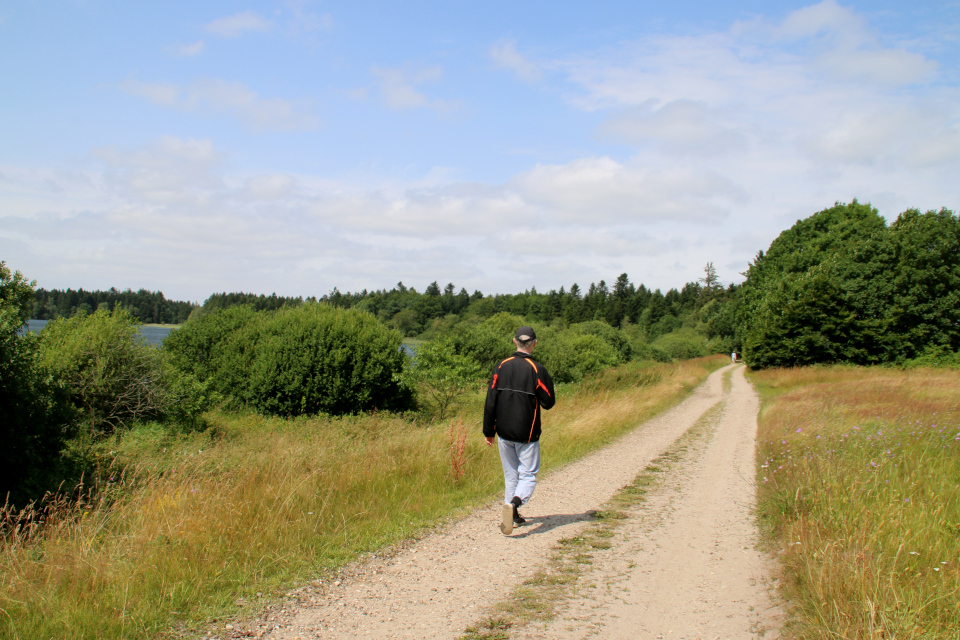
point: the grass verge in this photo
(859, 472)
(539, 598)
(188, 526)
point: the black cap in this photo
(526, 334)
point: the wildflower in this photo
(799, 430)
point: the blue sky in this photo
(292, 147)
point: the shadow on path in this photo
(543, 524)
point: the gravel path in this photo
(684, 565)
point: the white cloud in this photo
(505, 55)
(271, 186)
(170, 170)
(238, 24)
(308, 21)
(186, 50)
(826, 18)
(561, 242)
(161, 93)
(397, 88)
(603, 190)
(680, 126)
(879, 66)
(235, 98)
(844, 46)
(915, 136)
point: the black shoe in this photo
(517, 518)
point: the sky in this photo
(297, 146)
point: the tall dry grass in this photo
(200, 522)
(860, 471)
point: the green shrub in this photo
(612, 336)
(440, 375)
(320, 359)
(112, 376)
(569, 356)
(643, 351)
(204, 344)
(34, 412)
(308, 359)
(488, 342)
(682, 344)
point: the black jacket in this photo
(518, 388)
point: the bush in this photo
(682, 344)
(34, 412)
(488, 342)
(308, 359)
(206, 346)
(612, 336)
(570, 357)
(112, 376)
(644, 351)
(440, 376)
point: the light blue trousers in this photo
(521, 462)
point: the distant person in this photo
(733, 357)
(520, 386)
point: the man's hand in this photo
(489, 440)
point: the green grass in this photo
(188, 524)
(859, 473)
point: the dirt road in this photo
(683, 565)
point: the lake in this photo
(151, 335)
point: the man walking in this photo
(520, 386)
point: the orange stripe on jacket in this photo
(494, 383)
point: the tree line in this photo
(427, 313)
(146, 306)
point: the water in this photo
(151, 335)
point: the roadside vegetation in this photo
(859, 494)
(184, 526)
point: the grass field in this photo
(860, 496)
(186, 527)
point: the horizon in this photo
(300, 145)
(420, 291)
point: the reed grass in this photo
(859, 477)
(184, 529)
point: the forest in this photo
(149, 307)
